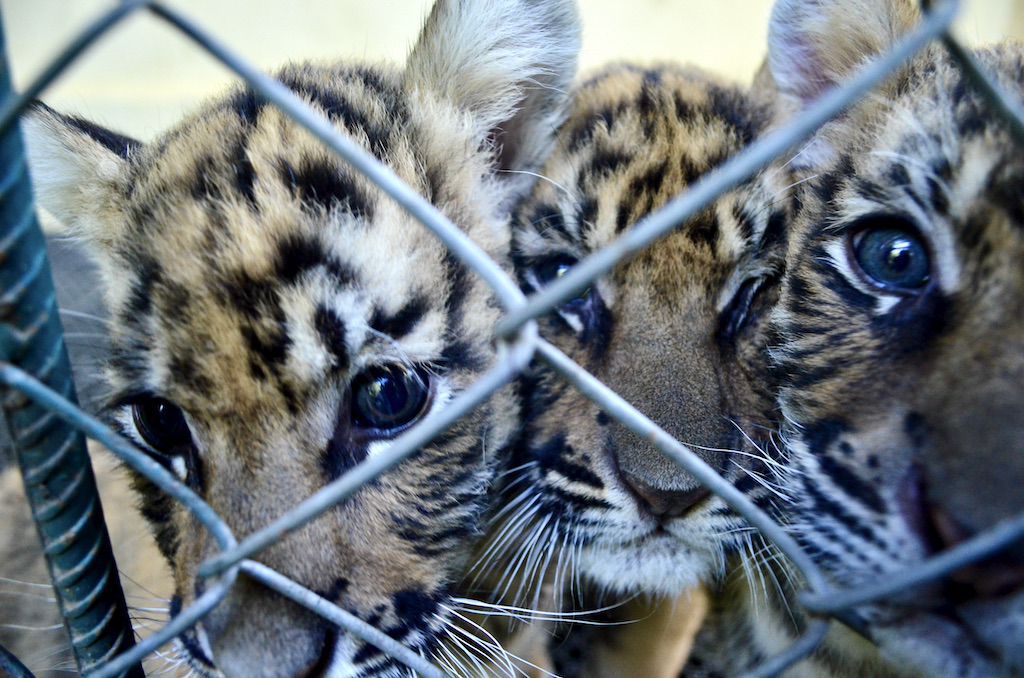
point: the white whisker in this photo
(539, 176)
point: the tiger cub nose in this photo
(664, 503)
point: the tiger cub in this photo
(591, 511)
(277, 320)
(897, 352)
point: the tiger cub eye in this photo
(161, 424)
(389, 397)
(892, 256)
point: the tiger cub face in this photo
(898, 338)
(278, 320)
(661, 330)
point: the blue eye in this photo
(892, 254)
(389, 397)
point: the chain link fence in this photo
(47, 427)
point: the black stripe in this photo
(203, 185)
(248, 105)
(586, 213)
(341, 110)
(245, 173)
(795, 375)
(732, 106)
(117, 143)
(837, 508)
(703, 229)
(297, 254)
(129, 358)
(556, 455)
(148, 273)
(850, 483)
(648, 102)
(271, 349)
(404, 321)
(586, 129)
(462, 354)
(460, 283)
(251, 296)
(331, 328)
(185, 370)
(545, 217)
(605, 162)
(342, 451)
(321, 186)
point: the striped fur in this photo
(259, 285)
(899, 396)
(590, 509)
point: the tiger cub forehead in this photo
(254, 259)
(635, 136)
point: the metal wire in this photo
(971, 551)
(730, 174)
(11, 666)
(12, 109)
(342, 618)
(121, 448)
(521, 344)
(517, 358)
(627, 415)
(59, 484)
(800, 648)
(18, 379)
(467, 251)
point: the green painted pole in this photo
(54, 463)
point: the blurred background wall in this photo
(144, 75)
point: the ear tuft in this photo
(509, 63)
(814, 45)
(76, 167)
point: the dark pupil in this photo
(161, 424)
(901, 258)
(552, 271)
(894, 258)
(389, 397)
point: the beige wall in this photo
(141, 78)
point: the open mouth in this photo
(997, 576)
(993, 577)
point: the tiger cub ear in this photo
(814, 45)
(509, 63)
(76, 169)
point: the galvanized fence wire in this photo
(519, 344)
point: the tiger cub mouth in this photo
(1000, 575)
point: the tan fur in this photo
(654, 640)
(577, 516)
(258, 284)
(899, 398)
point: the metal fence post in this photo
(55, 465)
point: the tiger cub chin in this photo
(277, 320)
